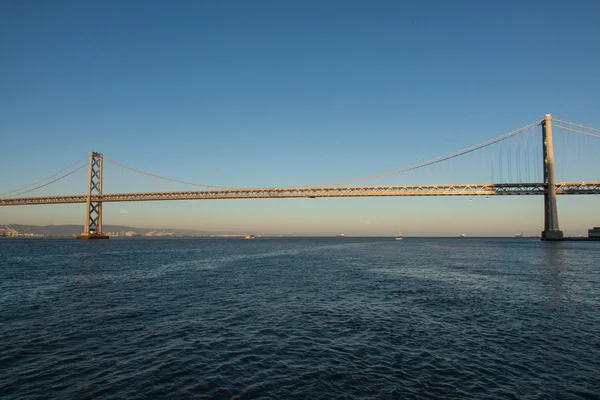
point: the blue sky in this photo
(272, 93)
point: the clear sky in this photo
(284, 93)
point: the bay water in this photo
(314, 318)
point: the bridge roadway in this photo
(504, 189)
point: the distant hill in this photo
(70, 230)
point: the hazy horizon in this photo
(327, 217)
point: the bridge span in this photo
(508, 159)
(503, 189)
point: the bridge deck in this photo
(506, 189)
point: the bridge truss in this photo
(506, 189)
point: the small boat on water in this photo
(399, 236)
(462, 235)
(249, 237)
(340, 235)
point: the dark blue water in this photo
(299, 318)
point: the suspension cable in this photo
(575, 130)
(435, 160)
(42, 180)
(48, 183)
(162, 177)
(580, 126)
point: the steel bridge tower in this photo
(551, 230)
(92, 228)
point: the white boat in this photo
(399, 236)
(248, 237)
(462, 235)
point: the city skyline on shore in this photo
(22, 230)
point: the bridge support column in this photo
(92, 228)
(551, 230)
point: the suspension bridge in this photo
(521, 162)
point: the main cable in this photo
(139, 171)
(42, 180)
(575, 130)
(577, 125)
(48, 183)
(432, 161)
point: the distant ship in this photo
(248, 237)
(518, 235)
(399, 236)
(462, 235)
(340, 235)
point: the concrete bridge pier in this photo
(551, 230)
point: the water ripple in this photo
(305, 318)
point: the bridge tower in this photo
(92, 228)
(551, 230)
